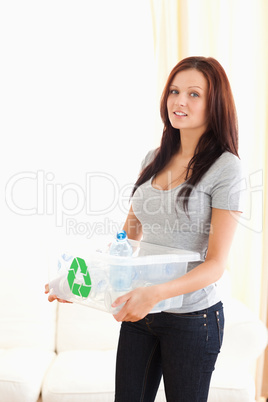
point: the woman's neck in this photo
(188, 145)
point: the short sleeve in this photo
(148, 158)
(229, 184)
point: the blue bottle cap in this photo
(121, 235)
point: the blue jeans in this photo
(181, 347)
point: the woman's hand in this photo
(51, 298)
(138, 303)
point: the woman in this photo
(187, 196)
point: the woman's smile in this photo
(187, 102)
(180, 114)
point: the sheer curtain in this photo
(235, 33)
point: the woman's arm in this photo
(141, 300)
(133, 226)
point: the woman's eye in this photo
(174, 91)
(194, 95)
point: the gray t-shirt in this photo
(165, 222)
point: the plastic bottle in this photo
(121, 275)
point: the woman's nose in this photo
(180, 100)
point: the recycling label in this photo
(77, 288)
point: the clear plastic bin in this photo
(86, 280)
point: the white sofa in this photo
(55, 352)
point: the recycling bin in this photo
(86, 279)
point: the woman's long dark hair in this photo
(221, 134)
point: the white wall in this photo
(78, 108)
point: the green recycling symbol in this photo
(79, 289)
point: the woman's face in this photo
(187, 102)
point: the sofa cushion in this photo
(80, 327)
(224, 387)
(232, 385)
(83, 376)
(21, 373)
(245, 337)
